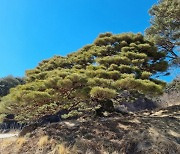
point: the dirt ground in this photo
(147, 132)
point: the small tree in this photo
(9, 82)
(89, 78)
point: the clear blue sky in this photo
(33, 30)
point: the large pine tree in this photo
(89, 78)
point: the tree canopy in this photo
(87, 79)
(165, 28)
(7, 83)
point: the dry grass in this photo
(20, 142)
(63, 149)
(43, 141)
(6, 142)
(11, 145)
(15, 144)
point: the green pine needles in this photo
(84, 79)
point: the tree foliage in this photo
(165, 28)
(9, 82)
(89, 78)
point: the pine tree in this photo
(88, 79)
(165, 28)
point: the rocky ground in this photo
(147, 132)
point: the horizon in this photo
(32, 31)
